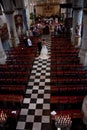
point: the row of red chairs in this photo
(66, 99)
(18, 89)
(68, 85)
(14, 76)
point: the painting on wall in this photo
(18, 20)
(19, 24)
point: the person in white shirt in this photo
(29, 42)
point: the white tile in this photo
(40, 91)
(46, 96)
(36, 126)
(38, 74)
(48, 68)
(20, 125)
(48, 63)
(45, 119)
(33, 71)
(43, 71)
(39, 64)
(42, 84)
(38, 112)
(47, 80)
(30, 83)
(26, 100)
(30, 118)
(46, 106)
(23, 111)
(34, 66)
(47, 88)
(39, 101)
(35, 87)
(44, 66)
(42, 77)
(47, 74)
(28, 91)
(39, 68)
(34, 96)
(32, 106)
(37, 80)
(35, 62)
(32, 77)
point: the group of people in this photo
(41, 45)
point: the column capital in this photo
(9, 12)
(85, 10)
(77, 8)
(78, 4)
(19, 8)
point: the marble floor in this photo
(35, 111)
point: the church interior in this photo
(42, 94)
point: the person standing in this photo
(29, 42)
(39, 45)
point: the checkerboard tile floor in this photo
(35, 112)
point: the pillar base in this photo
(14, 42)
(77, 41)
(83, 57)
(3, 59)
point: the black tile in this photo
(37, 83)
(43, 74)
(39, 106)
(33, 100)
(28, 126)
(31, 80)
(25, 105)
(39, 66)
(32, 74)
(42, 80)
(41, 87)
(47, 71)
(37, 119)
(35, 91)
(46, 126)
(40, 96)
(22, 118)
(46, 100)
(29, 87)
(46, 112)
(43, 68)
(48, 77)
(31, 112)
(47, 83)
(47, 91)
(27, 95)
(37, 77)
(38, 71)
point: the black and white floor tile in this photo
(35, 112)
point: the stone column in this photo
(77, 22)
(9, 10)
(69, 9)
(2, 52)
(83, 49)
(13, 37)
(68, 20)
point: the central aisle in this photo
(35, 112)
